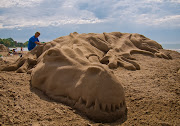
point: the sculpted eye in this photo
(143, 37)
(53, 52)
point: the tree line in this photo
(9, 42)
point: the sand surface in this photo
(152, 97)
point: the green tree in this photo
(26, 44)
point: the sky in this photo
(158, 20)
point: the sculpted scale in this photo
(76, 70)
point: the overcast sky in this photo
(156, 19)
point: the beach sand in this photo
(152, 96)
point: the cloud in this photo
(175, 1)
(153, 20)
(61, 13)
(161, 1)
(44, 13)
(158, 1)
(156, 13)
(18, 3)
(1, 26)
(16, 23)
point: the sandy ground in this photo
(152, 97)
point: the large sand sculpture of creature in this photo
(76, 70)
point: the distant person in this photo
(21, 49)
(33, 41)
(14, 51)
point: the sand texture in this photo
(92, 79)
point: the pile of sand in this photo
(87, 72)
(3, 48)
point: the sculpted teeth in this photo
(113, 107)
(103, 107)
(99, 106)
(80, 100)
(109, 107)
(117, 106)
(124, 103)
(91, 108)
(88, 104)
(121, 104)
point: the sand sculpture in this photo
(75, 70)
(3, 48)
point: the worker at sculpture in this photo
(33, 41)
